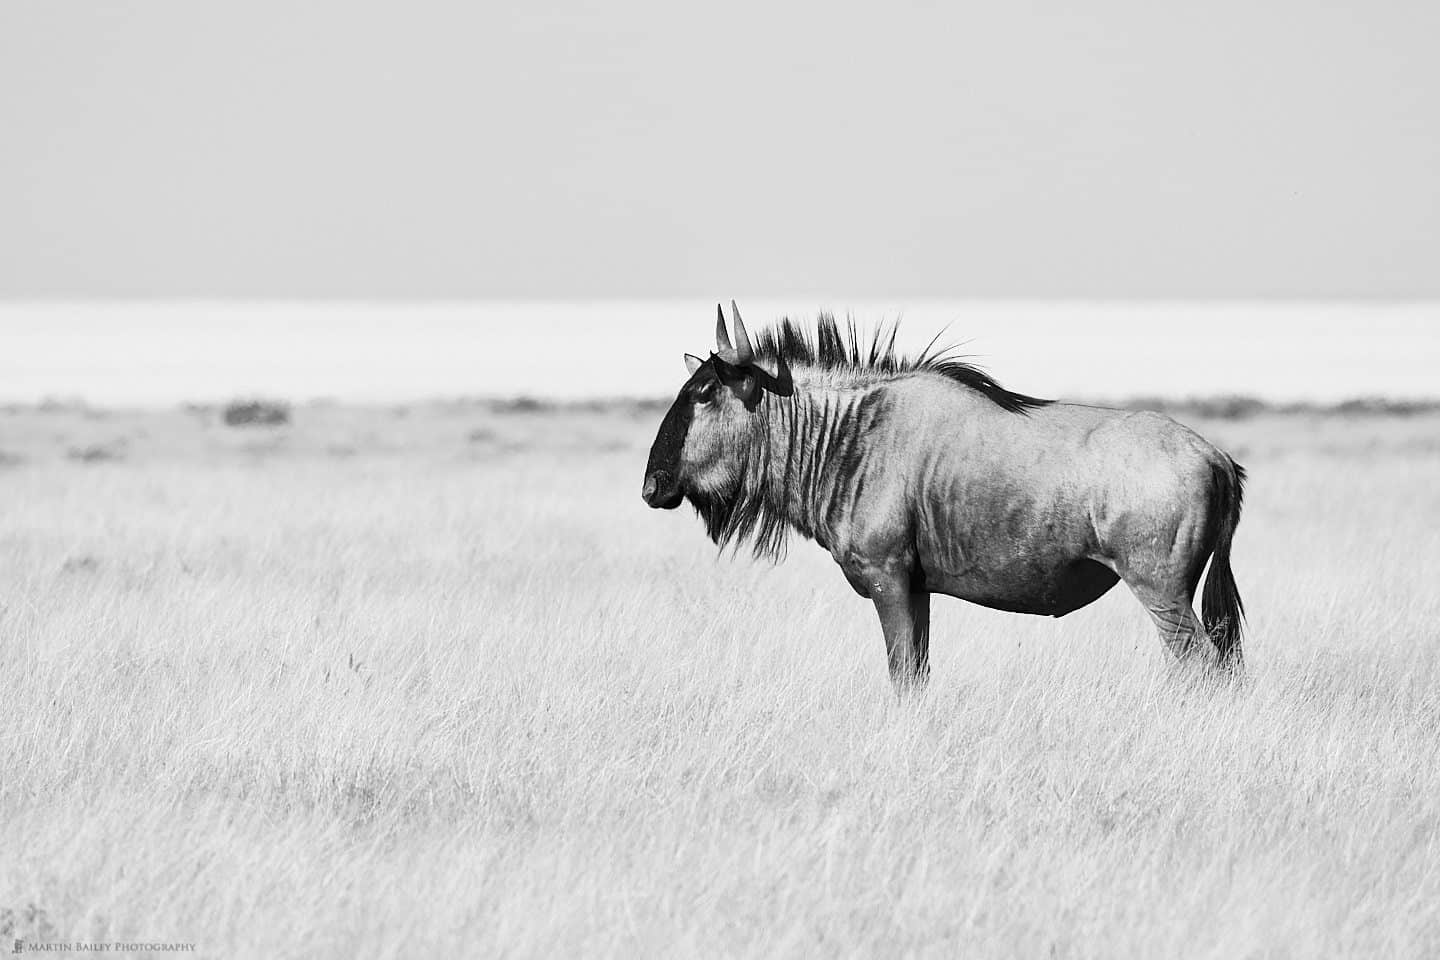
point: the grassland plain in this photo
(433, 681)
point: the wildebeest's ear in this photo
(693, 363)
(740, 380)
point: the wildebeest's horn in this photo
(743, 351)
(722, 336)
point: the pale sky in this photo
(645, 148)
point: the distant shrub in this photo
(256, 413)
(1231, 407)
(521, 405)
(61, 405)
(1386, 406)
(1240, 407)
(97, 453)
(1223, 407)
(646, 406)
(84, 563)
(486, 443)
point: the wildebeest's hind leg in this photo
(1174, 619)
(1166, 585)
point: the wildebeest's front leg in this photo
(904, 609)
(905, 618)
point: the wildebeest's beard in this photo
(753, 509)
(717, 510)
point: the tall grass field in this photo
(432, 681)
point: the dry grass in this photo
(457, 692)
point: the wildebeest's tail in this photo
(1220, 606)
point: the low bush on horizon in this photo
(264, 413)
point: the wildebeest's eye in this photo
(705, 392)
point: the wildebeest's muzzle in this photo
(662, 490)
(662, 472)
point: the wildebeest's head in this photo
(698, 450)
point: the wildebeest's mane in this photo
(827, 347)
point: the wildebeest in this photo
(923, 475)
